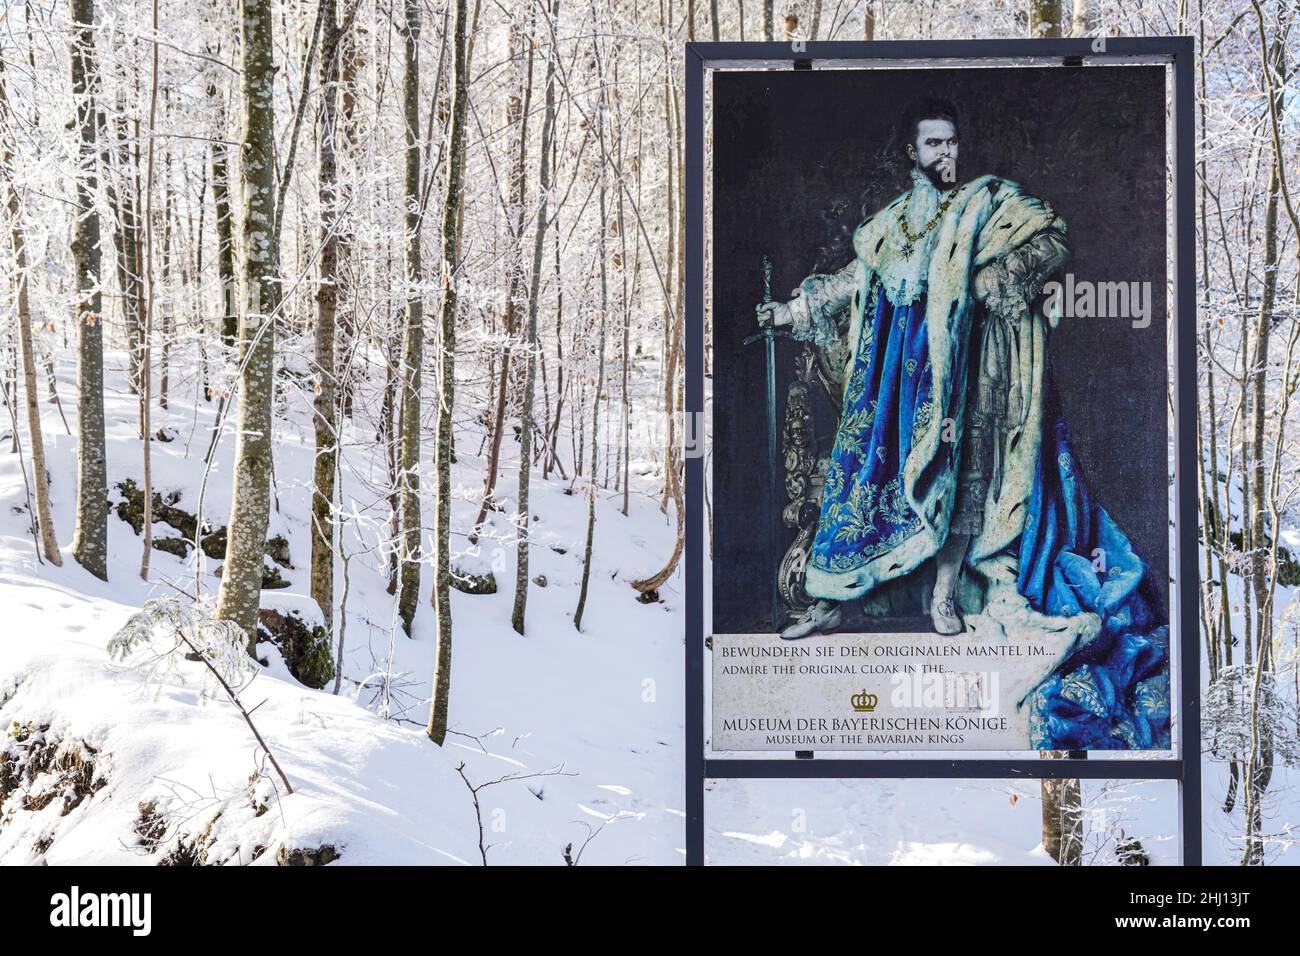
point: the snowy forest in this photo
(342, 360)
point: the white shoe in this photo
(944, 616)
(822, 618)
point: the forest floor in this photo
(598, 713)
(583, 730)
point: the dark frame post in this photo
(1185, 452)
(1185, 766)
(695, 456)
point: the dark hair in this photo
(910, 122)
(884, 164)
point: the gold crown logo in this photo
(864, 703)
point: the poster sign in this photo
(941, 467)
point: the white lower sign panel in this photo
(879, 691)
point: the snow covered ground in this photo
(924, 822)
(588, 725)
(597, 713)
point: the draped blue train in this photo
(1112, 692)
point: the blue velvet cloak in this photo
(1112, 692)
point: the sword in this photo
(768, 335)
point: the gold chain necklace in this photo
(910, 245)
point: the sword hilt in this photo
(768, 331)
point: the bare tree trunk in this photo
(1259, 762)
(225, 227)
(351, 59)
(552, 457)
(11, 393)
(413, 342)
(119, 200)
(300, 111)
(626, 456)
(90, 539)
(168, 318)
(193, 277)
(516, 113)
(146, 375)
(600, 348)
(1063, 819)
(127, 239)
(1044, 18)
(36, 440)
(390, 429)
(1079, 19)
(1207, 409)
(675, 258)
(534, 286)
(1259, 372)
(137, 235)
(325, 405)
(670, 262)
(444, 450)
(241, 579)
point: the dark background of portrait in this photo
(801, 157)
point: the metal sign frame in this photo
(1185, 766)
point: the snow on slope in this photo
(603, 706)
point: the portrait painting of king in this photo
(945, 468)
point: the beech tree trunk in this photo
(530, 376)
(36, 440)
(413, 345)
(127, 237)
(600, 347)
(325, 405)
(1063, 819)
(1044, 18)
(225, 227)
(443, 450)
(1258, 771)
(241, 577)
(351, 59)
(516, 114)
(150, 297)
(90, 538)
